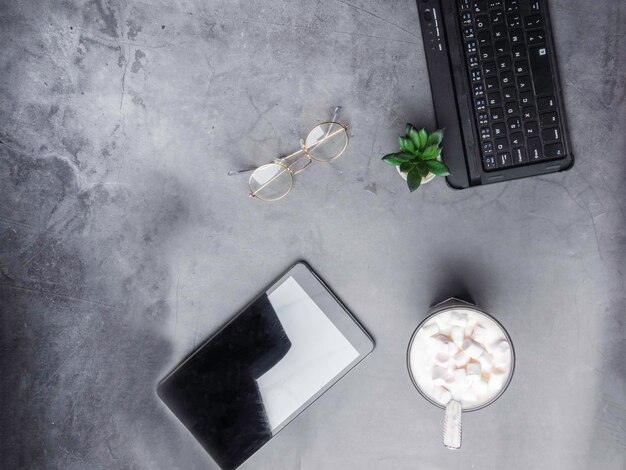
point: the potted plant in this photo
(419, 158)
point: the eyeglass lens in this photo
(326, 141)
(270, 182)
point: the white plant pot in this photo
(425, 179)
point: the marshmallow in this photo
(458, 319)
(431, 328)
(496, 381)
(486, 360)
(460, 376)
(442, 358)
(439, 375)
(469, 328)
(442, 395)
(501, 361)
(441, 339)
(479, 334)
(460, 359)
(502, 346)
(474, 370)
(457, 334)
(472, 348)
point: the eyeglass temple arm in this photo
(238, 172)
(336, 113)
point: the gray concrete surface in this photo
(124, 244)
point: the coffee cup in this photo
(460, 359)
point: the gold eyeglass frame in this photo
(304, 150)
(304, 153)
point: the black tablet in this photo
(265, 366)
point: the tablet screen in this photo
(262, 369)
(317, 354)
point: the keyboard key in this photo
(504, 160)
(489, 162)
(519, 51)
(534, 149)
(496, 114)
(509, 94)
(514, 123)
(464, 4)
(533, 22)
(529, 113)
(494, 99)
(484, 38)
(531, 129)
(469, 32)
(485, 133)
(499, 129)
(510, 6)
(487, 148)
(495, 3)
(517, 138)
(506, 78)
(499, 32)
(492, 83)
(551, 135)
(511, 109)
(486, 52)
(478, 90)
(466, 18)
(514, 21)
(489, 68)
(516, 36)
(519, 156)
(535, 6)
(497, 16)
(471, 46)
(481, 104)
(535, 38)
(502, 144)
(526, 97)
(476, 75)
(548, 119)
(521, 67)
(483, 119)
(482, 22)
(502, 47)
(480, 6)
(546, 104)
(542, 73)
(473, 61)
(523, 83)
(554, 150)
(504, 63)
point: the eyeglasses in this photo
(324, 143)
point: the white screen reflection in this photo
(319, 352)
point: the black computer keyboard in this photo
(512, 84)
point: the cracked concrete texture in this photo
(123, 244)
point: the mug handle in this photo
(452, 425)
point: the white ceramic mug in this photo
(423, 366)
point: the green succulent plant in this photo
(418, 155)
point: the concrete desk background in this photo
(124, 244)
